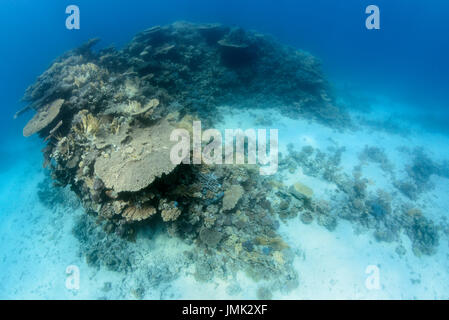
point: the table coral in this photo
(149, 159)
(43, 118)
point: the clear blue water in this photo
(407, 60)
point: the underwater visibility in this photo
(224, 150)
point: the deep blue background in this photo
(407, 59)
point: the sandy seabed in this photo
(37, 244)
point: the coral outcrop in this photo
(107, 117)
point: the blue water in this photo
(407, 60)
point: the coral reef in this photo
(376, 155)
(386, 216)
(107, 117)
(314, 162)
(52, 196)
(102, 248)
(423, 234)
(244, 237)
(419, 173)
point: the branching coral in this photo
(169, 210)
(135, 108)
(86, 124)
(138, 213)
